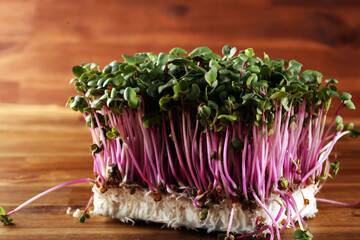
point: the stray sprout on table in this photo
(4, 217)
(213, 128)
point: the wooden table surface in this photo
(43, 146)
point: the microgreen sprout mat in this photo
(233, 143)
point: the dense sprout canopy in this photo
(235, 87)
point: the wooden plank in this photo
(44, 39)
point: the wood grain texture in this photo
(43, 146)
(40, 41)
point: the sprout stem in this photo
(88, 205)
(230, 220)
(338, 203)
(269, 214)
(46, 192)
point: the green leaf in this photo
(253, 68)
(114, 130)
(176, 95)
(129, 93)
(209, 56)
(214, 84)
(243, 57)
(311, 76)
(140, 58)
(349, 104)
(73, 80)
(97, 104)
(354, 133)
(178, 51)
(340, 127)
(95, 148)
(211, 76)
(248, 98)
(194, 92)
(335, 166)
(2, 211)
(115, 66)
(152, 56)
(339, 119)
(279, 95)
(90, 66)
(134, 102)
(113, 93)
(130, 96)
(226, 50)
(162, 59)
(308, 234)
(249, 52)
(298, 234)
(252, 78)
(266, 57)
(181, 61)
(349, 126)
(82, 219)
(5, 220)
(229, 51)
(200, 51)
(230, 118)
(204, 112)
(78, 71)
(333, 88)
(107, 69)
(130, 69)
(232, 52)
(170, 83)
(333, 81)
(164, 103)
(152, 90)
(271, 132)
(183, 85)
(100, 82)
(265, 70)
(92, 83)
(129, 59)
(284, 181)
(105, 96)
(294, 67)
(345, 96)
(214, 64)
(213, 104)
(261, 83)
(111, 135)
(203, 213)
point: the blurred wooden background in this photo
(40, 41)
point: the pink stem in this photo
(268, 213)
(230, 221)
(338, 203)
(253, 233)
(88, 205)
(46, 192)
